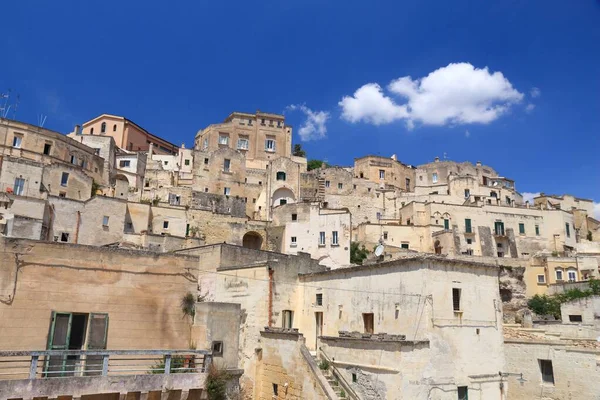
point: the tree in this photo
(314, 164)
(298, 151)
(357, 253)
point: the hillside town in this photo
(241, 264)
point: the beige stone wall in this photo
(416, 237)
(281, 363)
(93, 231)
(32, 172)
(141, 293)
(394, 172)
(575, 371)
(78, 186)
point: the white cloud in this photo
(597, 211)
(314, 126)
(529, 108)
(535, 92)
(467, 134)
(528, 197)
(455, 94)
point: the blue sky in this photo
(175, 67)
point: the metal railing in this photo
(69, 363)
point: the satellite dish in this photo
(379, 250)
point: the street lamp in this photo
(521, 380)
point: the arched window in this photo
(91, 131)
(280, 176)
(103, 127)
(114, 127)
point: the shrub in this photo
(324, 365)
(357, 253)
(188, 304)
(178, 363)
(216, 383)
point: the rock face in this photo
(512, 292)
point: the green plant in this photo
(146, 201)
(194, 231)
(550, 305)
(188, 304)
(216, 383)
(324, 365)
(95, 187)
(298, 151)
(179, 365)
(589, 236)
(358, 253)
(555, 254)
(156, 201)
(314, 164)
(342, 394)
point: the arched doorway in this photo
(437, 246)
(283, 196)
(252, 240)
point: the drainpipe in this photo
(77, 227)
(270, 296)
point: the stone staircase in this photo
(321, 191)
(333, 383)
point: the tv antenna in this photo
(445, 155)
(5, 107)
(42, 120)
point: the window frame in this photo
(270, 145)
(434, 177)
(335, 240)
(322, 239)
(243, 140)
(546, 371)
(64, 179)
(543, 280)
(456, 300)
(105, 220)
(521, 228)
(17, 141)
(223, 142)
(382, 174)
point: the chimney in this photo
(78, 129)
(394, 157)
(478, 163)
(183, 145)
(151, 149)
(437, 159)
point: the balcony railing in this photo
(72, 363)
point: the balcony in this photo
(110, 373)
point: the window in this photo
(206, 161)
(293, 241)
(547, 372)
(381, 174)
(73, 160)
(559, 275)
(321, 238)
(105, 220)
(226, 191)
(340, 185)
(262, 121)
(456, 299)
(249, 122)
(287, 320)
(354, 378)
(467, 193)
(114, 127)
(91, 131)
(187, 162)
(205, 190)
(242, 144)
(165, 224)
(275, 386)
(537, 230)
(19, 186)
(434, 177)
(223, 139)
(541, 279)
(166, 162)
(521, 228)
(572, 275)
(319, 299)
(294, 217)
(575, 318)
(282, 201)
(499, 228)
(64, 237)
(47, 148)
(217, 349)
(463, 393)
(568, 229)
(103, 127)
(446, 224)
(124, 163)
(468, 228)
(385, 235)
(327, 184)
(334, 238)
(129, 226)
(226, 165)
(469, 241)
(205, 144)
(280, 176)
(404, 245)
(270, 145)
(407, 181)
(368, 321)
(64, 179)
(17, 139)
(62, 194)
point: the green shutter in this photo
(522, 228)
(468, 225)
(537, 230)
(447, 224)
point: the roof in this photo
(127, 120)
(403, 261)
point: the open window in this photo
(369, 322)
